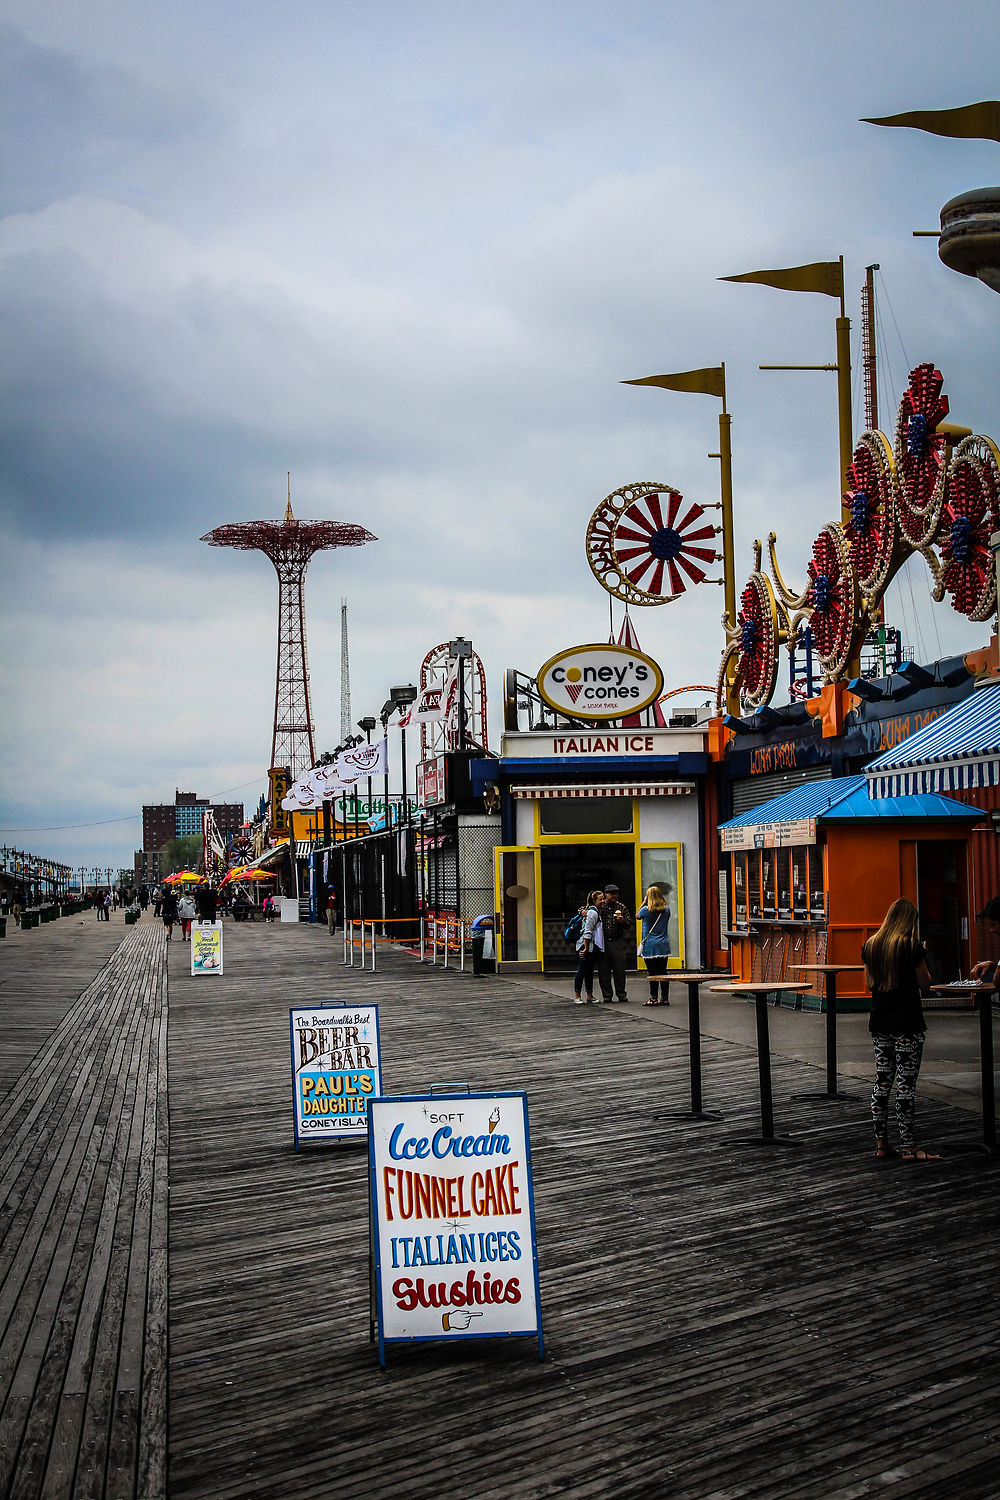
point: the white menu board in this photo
(453, 1218)
(336, 1070)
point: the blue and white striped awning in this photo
(959, 750)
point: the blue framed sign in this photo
(336, 1071)
(453, 1219)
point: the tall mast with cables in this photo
(868, 361)
(345, 677)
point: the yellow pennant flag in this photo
(711, 382)
(973, 122)
(825, 276)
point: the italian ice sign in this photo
(453, 1218)
(206, 948)
(336, 1070)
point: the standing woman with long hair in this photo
(897, 974)
(654, 914)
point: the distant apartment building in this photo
(172, 820)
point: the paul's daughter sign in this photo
(453, 1218)
(336, 1071)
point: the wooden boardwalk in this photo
(721, 1320)
(83, 1188)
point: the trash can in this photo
(483, 959)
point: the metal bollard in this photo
(461, 944)
(423, 940)
(344, 959)
(352, 944)
(447, 939)
(434, 942)
(373, 947)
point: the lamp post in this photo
(402, 697)
(367, 725)
(387, 708)
(460, 650)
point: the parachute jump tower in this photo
(290, 545)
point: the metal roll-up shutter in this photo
(756, 790)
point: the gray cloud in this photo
(409, 256)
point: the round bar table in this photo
(759, 992)
(830, 993)
(694, 979)
(983, 994)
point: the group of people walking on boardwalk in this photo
(185, 908)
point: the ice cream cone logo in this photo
(494, 1119)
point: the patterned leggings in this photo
(896, 1057)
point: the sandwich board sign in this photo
(336, 1071)
(206, 947)
(453, 1219)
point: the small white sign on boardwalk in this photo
(336, 1070)
(206, 947)
(453, 1218)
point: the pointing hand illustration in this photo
(459, 1317)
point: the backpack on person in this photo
(574, 927)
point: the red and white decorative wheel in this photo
(240, 852)
(757, 642)
(654, 549)
(640, 547)
(919, 455)
(871, 530)
(832, 600)
(970, 515)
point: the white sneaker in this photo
(577, 1000)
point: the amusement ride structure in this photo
(463, 723)
(934, 490)
(290, 544)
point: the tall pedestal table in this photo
(694, 979)
(983, 994)
(759, 993)
(830, 990)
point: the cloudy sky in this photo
(407, 253)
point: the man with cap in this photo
(619, 945)
(989, 968)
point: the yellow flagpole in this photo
(712, 382)
(728, 548)
(845, 416)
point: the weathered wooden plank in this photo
(81, 1125)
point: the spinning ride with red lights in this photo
(913, 496)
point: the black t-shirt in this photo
(898, 1012)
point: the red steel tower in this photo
(290, 544)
